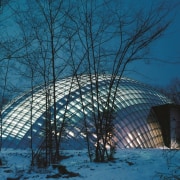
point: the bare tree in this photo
(3, 92)
(173, 90)
(44, 36)
(92, 37)
(8, 51)
(109, 38)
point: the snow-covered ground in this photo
(129, 164)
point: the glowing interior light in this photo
(39, 124)
(137, 139)
(130, 136)
(94, 135)
(71, 133)
(82, 134)
(131, 108)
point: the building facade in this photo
(136, 123)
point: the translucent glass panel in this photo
(76, 99)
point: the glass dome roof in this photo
(135, 123)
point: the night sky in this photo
(166, 49)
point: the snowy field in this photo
(129, 164)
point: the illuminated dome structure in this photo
(136, 124)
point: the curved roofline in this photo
(38, 87)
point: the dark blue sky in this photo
(166, 49)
